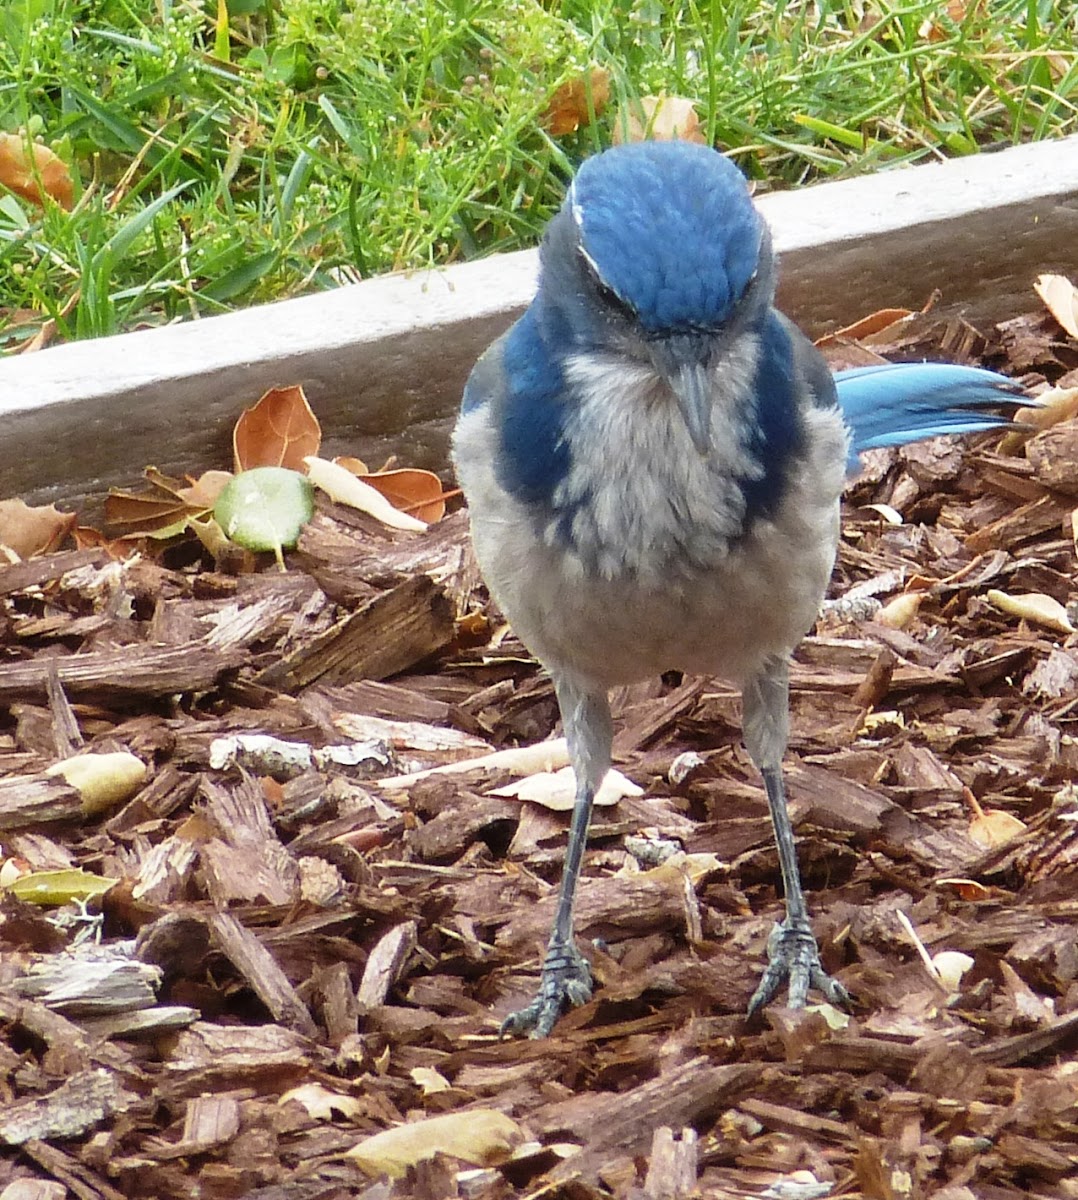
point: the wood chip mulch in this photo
(296, 956)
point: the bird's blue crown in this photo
(670, 229)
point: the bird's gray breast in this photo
(639, 500)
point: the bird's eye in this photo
(612, 300)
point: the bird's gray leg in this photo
(791, 948)
(566, 977)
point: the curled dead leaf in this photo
(26, 531)
(524, 760)
(279, 431)
(33, 171)
(345, 488)
(891, 515)
(573, 104)
(322, 1104)
(204, 491)
(874, 323)
(1033, 606)
(165, 507)
(965, 889)
(900, 611)
(950, 966)
(556, 790)
(695, 867)
(481, 1136)
(1060, 297)
(429, 1081)
(1053, 407)
(992, 827)
(102, 780)
(410, 489)
(658, 119)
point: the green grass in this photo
(304, 142)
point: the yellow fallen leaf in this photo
(33, 171)
(696, 866)
(950, 966)
(102, 780)
(1060, 297)
(407, 488)
(429, 1080)
(885, 722)
(575, 101)
(556, 790)
(481, 1136)
(836, 1019)
(322, 1104)
(900, 611)
(12, 870)
(523, 760)
(891, 515)
(1053, 406)
(27, 530)
(658, 119)
(60, 887)
(965, 889)
(992, 827)
(1033, 606)
(342, 486)
(874, 323)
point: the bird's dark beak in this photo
(681, 362)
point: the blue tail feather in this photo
(897, 403)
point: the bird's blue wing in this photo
(897, 403)
(523, 390)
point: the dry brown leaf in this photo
(1060, 297)
(342, 486)
(102, 780)
(568, 108)
(482, 1136)
(26, 531)
(694, 867)
(524, 760)
(279, 431)
(429, 1081)
(965, 889)
(203, 493)
(874, 323)
(932, 30)
(1054, 406)
(658, 119)
(408, 488)
(1033, 606)
(993, 827)
(160, 511)
(900, 611)
(322, 1104)
(950, 966)
(33, 171)
(556, 790)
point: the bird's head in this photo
(658, 253)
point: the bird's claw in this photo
(793, 956)
(565, 983)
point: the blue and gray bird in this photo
(653, 458)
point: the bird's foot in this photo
(793, 956)
(565, 983)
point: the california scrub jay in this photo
(653, 458)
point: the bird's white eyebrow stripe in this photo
(576, 209)
(590, 261)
